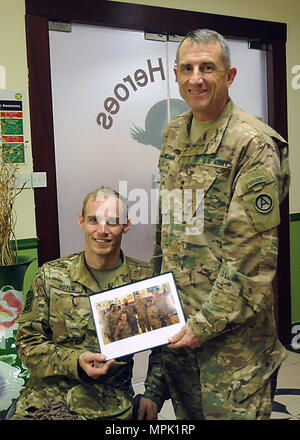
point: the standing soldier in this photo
(140, 306)
(165, 312)
(131, 313)
(112, 320)
(153, 314)
(223, 363)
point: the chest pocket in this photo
(69, 315)
(199, 239)
(259, 196)
(211, 175)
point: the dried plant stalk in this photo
(8, 194)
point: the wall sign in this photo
(12, 138)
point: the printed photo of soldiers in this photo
(152, 309)
(140, 306)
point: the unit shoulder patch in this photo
(264, 203)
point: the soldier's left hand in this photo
(147, 409)
(94, 364)
(184, 338)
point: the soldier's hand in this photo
(94, 364)
(184, 338)
(147, 409)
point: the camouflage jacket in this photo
(55, 327)
(141, 309)
(131, 312)
(111, 321)
(223, 253)
(122, 331)
(154, 314)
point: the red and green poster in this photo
(12, 127)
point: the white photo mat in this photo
(100, 306)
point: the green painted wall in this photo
(295, 266)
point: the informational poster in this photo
(12, 140)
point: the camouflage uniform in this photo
(111, 323)
(153, 314)
(140, 306)
(123, 331)
(224, 274)
(55, 327)
(131, 312)
(165, 310)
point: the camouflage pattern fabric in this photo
(165, 310)
(123, 331)
(131, 313)
(224, 274)
(55, 327)
(140, 306)
(111, 323)
(154, 315)
(48, 409)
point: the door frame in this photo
(271, 35)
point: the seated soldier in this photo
(56, 339)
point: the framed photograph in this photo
(137, 316)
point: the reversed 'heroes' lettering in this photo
(122, 91)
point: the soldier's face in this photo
(103, 231)
(124, 317)
(203, 81)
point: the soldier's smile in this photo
(102, 241)
(197, 92)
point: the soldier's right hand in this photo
(94, 364)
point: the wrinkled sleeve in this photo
(156, 388)
(34, 342)
(243, 287)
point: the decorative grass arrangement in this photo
(8, 193)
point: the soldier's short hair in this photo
(206, 36)
(101, 193)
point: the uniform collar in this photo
(81, 274)
(214, 135)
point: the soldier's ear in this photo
(176, 73)
(126, 226)
(231, 75)
(80, 221)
